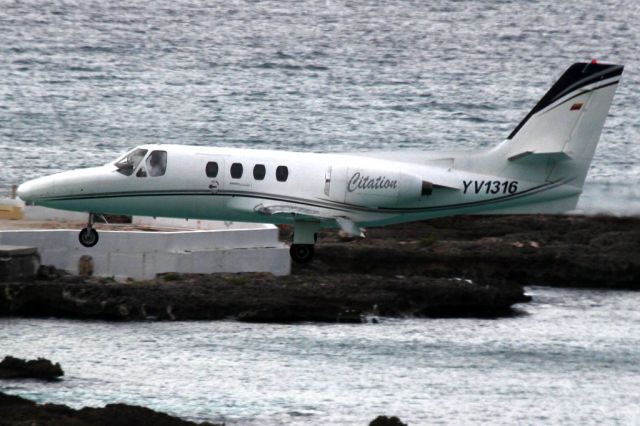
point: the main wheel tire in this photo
(88, 237)
(301, 253)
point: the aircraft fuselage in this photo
(246, 186)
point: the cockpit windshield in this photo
(127, 164)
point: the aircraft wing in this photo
(345, 223)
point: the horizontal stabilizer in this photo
(443, 179)
(448, 186)
(539, 157)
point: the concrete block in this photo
(7, 250)
(39, 213)
(142, 255)
(18, 263)
(10, 209)
(160, 263)
(129, 265)
(101, 262)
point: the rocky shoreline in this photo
(15, 410)
(550, 250)
(18, 411)
(258, 298)
(451, 267)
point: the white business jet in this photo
(540, 168)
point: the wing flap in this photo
(345, 223)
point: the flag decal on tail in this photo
(576, 106)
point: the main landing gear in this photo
(88, 236)
(301, 253)
(304, 237)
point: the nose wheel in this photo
(88, 236)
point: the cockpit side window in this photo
(127, 164)
(157, 163)
(141, 172)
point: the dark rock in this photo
(386, 421)
(260, 298)
(48, 272)
(15, 410)
(13, 400)
(16, 368)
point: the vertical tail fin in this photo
(564, 127)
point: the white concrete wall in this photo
(142, 255)
(163, 222)
(39, 213)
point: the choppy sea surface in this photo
(82, 81)
(570, 357)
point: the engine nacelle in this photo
(371, 187)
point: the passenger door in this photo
(215, 172)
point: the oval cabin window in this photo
(259, 171)
(212, 169)
(236, 170)
(282, 173)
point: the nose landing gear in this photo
(88, 236)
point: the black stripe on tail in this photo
(578, 75)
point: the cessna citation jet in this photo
(540, 168)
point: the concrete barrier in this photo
(39, 213)
(164, 222)
(142, 255)
(11, 209)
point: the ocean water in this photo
(569, 357)
(82, 81)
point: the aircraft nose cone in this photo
(33, 190)
(24, 192)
